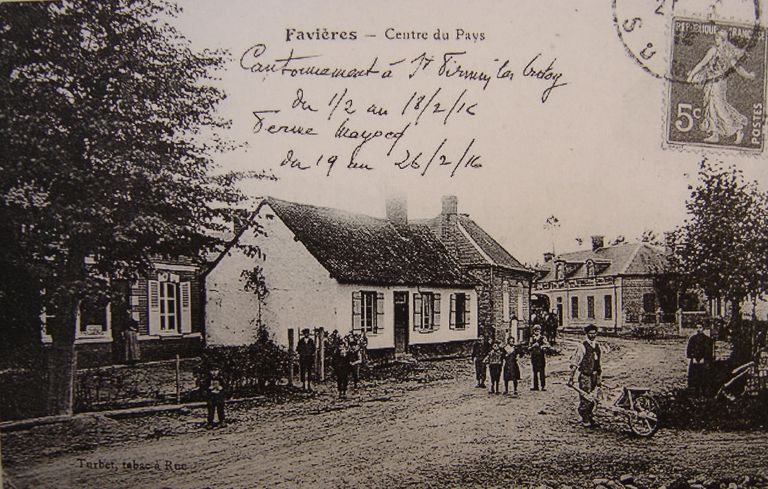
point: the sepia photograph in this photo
(357, 244)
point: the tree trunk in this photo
(62, 361)
(62, 364)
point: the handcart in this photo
(639, 407)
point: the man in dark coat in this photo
(306, 350)
(479, 351)
(586, 360)
(699, 353)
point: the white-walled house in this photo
(329, 268)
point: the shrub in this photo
(244, 369)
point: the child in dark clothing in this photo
(341, 367)
(494, 360)
(511, 368)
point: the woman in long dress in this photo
(721, 119)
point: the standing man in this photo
(537, 347)
(586, 360)
(699, 353)
(480, 350)
(306, 350)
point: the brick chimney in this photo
(598, 241)
(397, 210)
(548, 256)
(448, 216)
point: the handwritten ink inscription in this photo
(369, 120)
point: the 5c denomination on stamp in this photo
(717, 86)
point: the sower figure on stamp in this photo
(699, 353)
(721, 119)
(306, 350)
(538, 347)
(586, 360)
(479, 351)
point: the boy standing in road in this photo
(587, 361)
(479, 351)
(537, 347)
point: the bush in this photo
(23, 387)
(680, 409)
(244, 369)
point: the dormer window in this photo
(559, 270)
(590, 268)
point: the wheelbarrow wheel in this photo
(644, 421)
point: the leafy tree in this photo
(650, 237)
(108, 129)
(722, 248)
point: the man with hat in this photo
(306, 350)
(586, 361)
(537, 347)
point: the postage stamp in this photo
(717, 87)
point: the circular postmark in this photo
(650, 30)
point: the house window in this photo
(426, 311)
(559, 268)
(590, 307)
(649, 302)
(93, 318)
(459, 311)
(574, 307)
(367, 311)
(170, 308)
(608, 307)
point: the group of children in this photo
(501, 361)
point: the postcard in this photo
(384, 244)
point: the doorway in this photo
(401, 322)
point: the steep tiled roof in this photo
(621, 259)
(474, 246)
(356, 248)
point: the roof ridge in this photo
(479, 249)
(632, 257)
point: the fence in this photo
(662, 323)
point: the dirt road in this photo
(416, 433)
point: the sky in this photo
(592, 154)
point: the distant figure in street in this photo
(551, 322)
(479, 351)
(494, 360)
(511, 368)
(352, 342)
(514, 326)
(131, 336)
(341, 367)
(699, 353)
(538, 347)
(306, 350)
(216, 394)
(586, 360)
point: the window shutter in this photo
(452, 313)
(153, 291)
(379, 321)
(185, 291)
(436, 309)
(357, 307)
(467, 302)
(416, 311)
